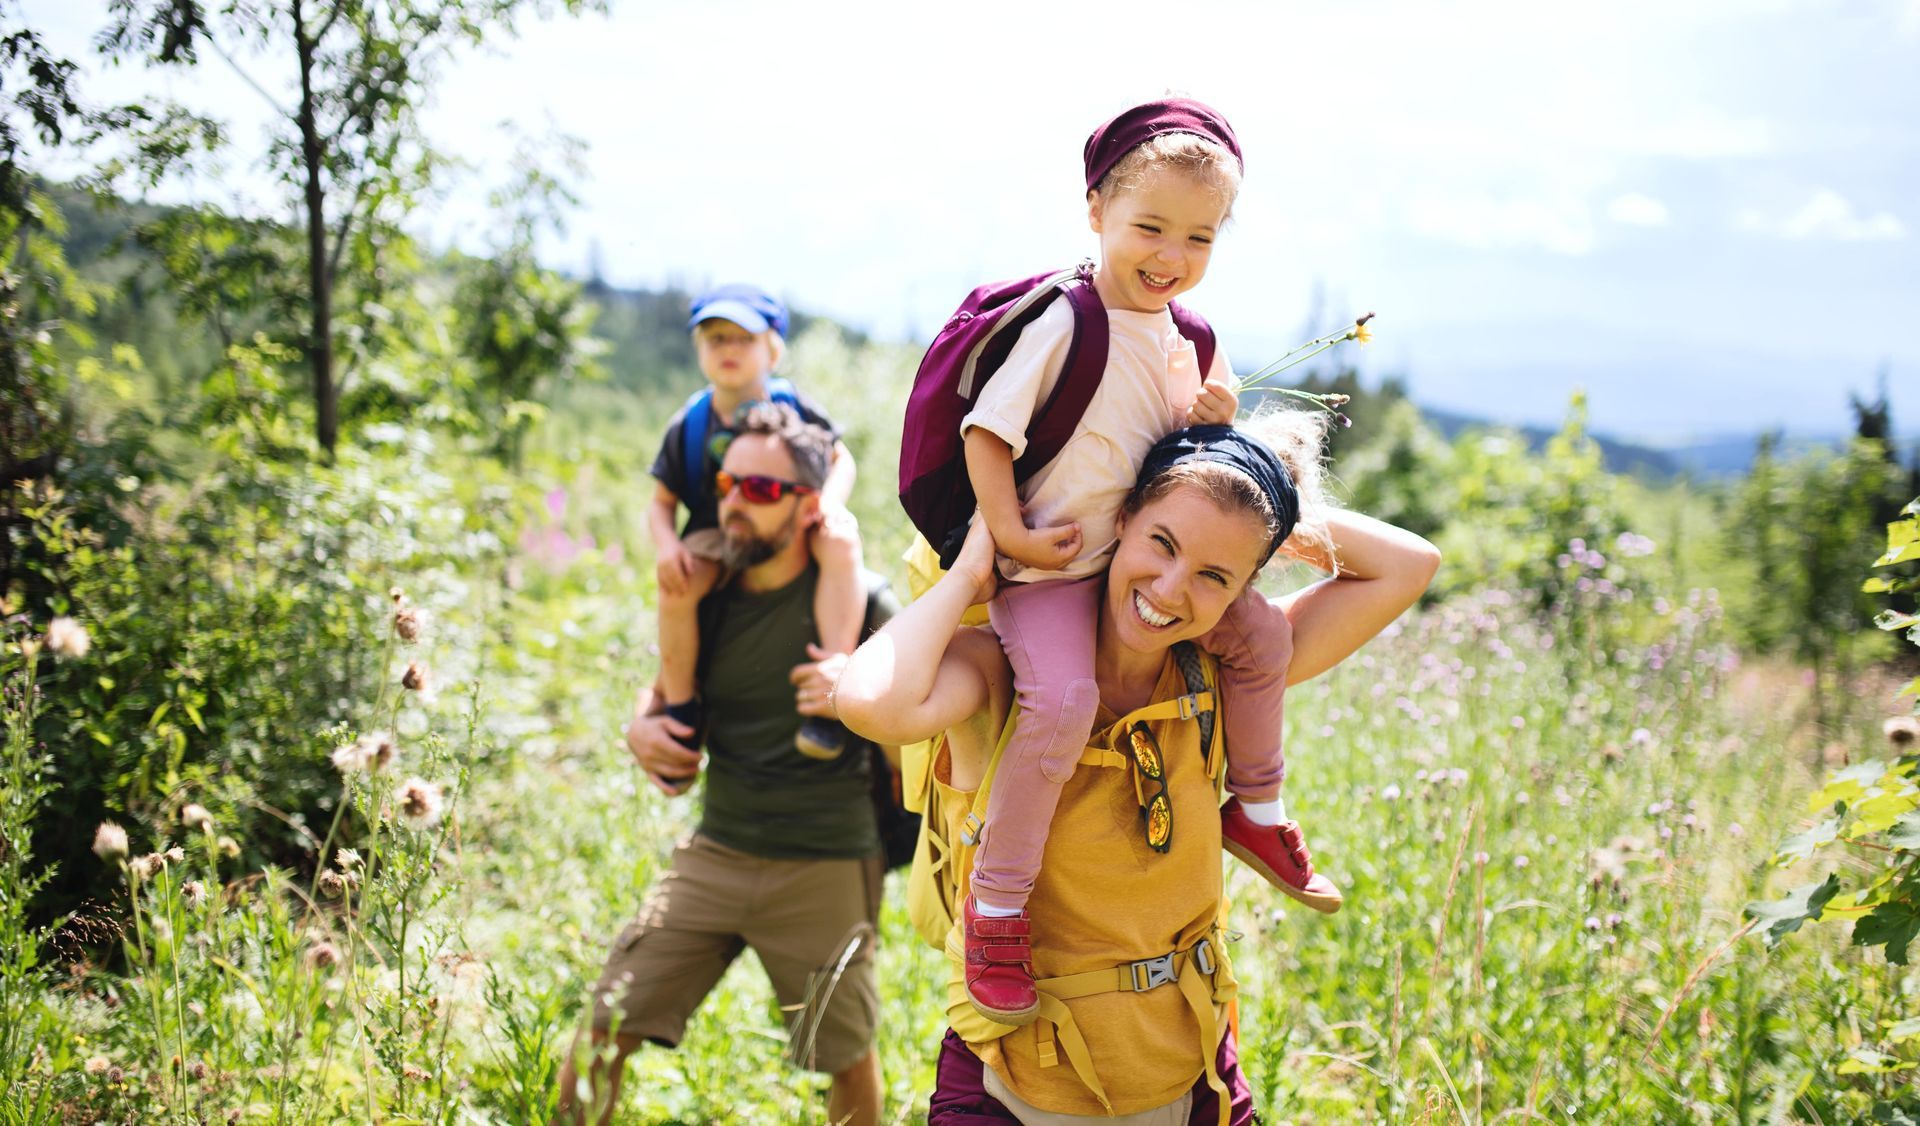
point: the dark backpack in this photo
(974, 343)
(693, 436)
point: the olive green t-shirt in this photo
(762, 795)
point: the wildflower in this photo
(1592, 923)
(68, 639)
(420, 803)
(228, 846)
(194, 892)
(109, 841)
(372, 751)
(347, 858)
(415, 1075)
(332, 884)
(1360, 332)
(197, 1070)
(322, 955)
(1390, 792)
(1480, 859)
(1521, 861)
(97, 1065)
(115, 1075)
(416, 678)
(175, 855)
(145, 866)
(1902, 731)
(409, 622)
(1734, 829)
(195, 815)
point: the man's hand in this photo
(671, 765)
(813, 682)
(1215, 405)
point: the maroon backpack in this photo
(934, 488)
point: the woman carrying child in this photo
(1134, 977)
(1161, 179)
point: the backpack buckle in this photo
(970, 830)
(1203, 957)
(1189, 705)
(1084, 271)
(1150, 972)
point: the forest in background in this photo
(253, 552)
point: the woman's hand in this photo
(974, 565)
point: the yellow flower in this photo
(1362, 333)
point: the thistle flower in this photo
(109, 841)
(175, 855)
(372, 751)
(68, 639)
(145, 866)
(195, 815)
(1902, 732)
(416, 678)
(97, 1065)
(322, 955)
(420, 803)
(347, 858)
(194, 892)
(408, 622)
(332, 884)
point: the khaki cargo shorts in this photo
(796, 915)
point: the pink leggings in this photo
(1047, 630)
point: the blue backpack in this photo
(693, 436)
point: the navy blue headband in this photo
(1229, 447)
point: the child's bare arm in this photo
(838, 487)
(672, 563)
(990, 469)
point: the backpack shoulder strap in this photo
(975, 820)
(780, 390)
(1054, 422)
(693, 445)
(1194, 327)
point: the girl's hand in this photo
(1215, 405)
(672, 569)
(1046, 549)
(974, 565)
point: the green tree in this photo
(347, 147)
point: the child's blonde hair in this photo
(1206, 162)
(1298, 438)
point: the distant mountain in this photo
(1618, 456)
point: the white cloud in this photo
(1636, 210)
(1828, 215)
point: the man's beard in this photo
(742, 548)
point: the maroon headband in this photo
(1144, 122)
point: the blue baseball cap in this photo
(752, 309)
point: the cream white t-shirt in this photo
(1152, 378)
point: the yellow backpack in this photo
(933, 883)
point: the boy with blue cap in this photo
(739, 338)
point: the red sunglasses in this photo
(755, 489)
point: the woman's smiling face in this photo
(1181, 561)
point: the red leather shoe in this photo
(1000, 966)
(1280, 855)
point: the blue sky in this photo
(1706, 214)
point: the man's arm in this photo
(654, 741)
